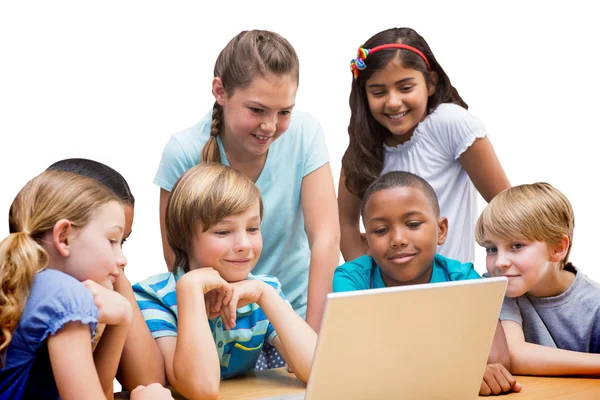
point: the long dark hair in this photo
(363, 159)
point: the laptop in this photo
(426, 341)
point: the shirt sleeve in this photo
(348, 279)
(510, 311)
(173, 164)
(161, 321)
(456, 129)
(316, 153)
(63, 301)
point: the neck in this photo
(248, 164)
(555, 282)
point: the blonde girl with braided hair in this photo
(253, 128)
(57, 270)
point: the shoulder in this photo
(353, 275)
(188, 143)
(157, 287)
(199, 132)
(456, 270)
(57, 286)
(304, 129)
(452, 116)
(56, 299)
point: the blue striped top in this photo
(238, 348)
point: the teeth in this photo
(262, 137)
(398, 115)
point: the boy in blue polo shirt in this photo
(211, 317)
(403, 228)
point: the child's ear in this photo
(218, 90)
(61, 237)
(559, 250)
(442, 230)
(363, 237)
(434, 81)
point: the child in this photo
(252, 128)
(213, 224)
(406, 116)
(403, 227)
(140, 348)
(65, 229)
(551, 313)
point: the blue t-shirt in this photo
(55, 300)
(238, 348)
(363, 273)
(298, 152)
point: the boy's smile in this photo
(402, 234)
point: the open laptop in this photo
(420, 342)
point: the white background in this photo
(112, 80)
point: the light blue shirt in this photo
(363, 273)
(298, 152)
(238, 348)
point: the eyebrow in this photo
(268, 108)
(404, 216)
(228, 221)
(374, 85)
(119, 227)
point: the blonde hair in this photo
(206, 193)
(43, 201)
(537, 212)
(248, 54)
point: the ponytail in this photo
(210, 151)
(21, 257)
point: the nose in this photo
(502, 261)
(121, 259)
(394, 100)
(398, 238)
(242, 243)
(269, 124)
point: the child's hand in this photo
(217, 291)
(153, 391)
(496, 380)
(244, 292)
(113, 309)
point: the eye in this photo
(221, 233)
(406, 88)
(414, 224)
(254, 229)
(378, 93)
(517, 246)
(380, 231)
(285, 113)
(491, 250)
(256, 110)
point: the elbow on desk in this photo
(202, 389)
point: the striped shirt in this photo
(238, 348)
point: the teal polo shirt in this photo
(356, 274)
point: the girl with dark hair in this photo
(407, 116)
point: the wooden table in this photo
(278, 382)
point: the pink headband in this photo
(358, 64)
